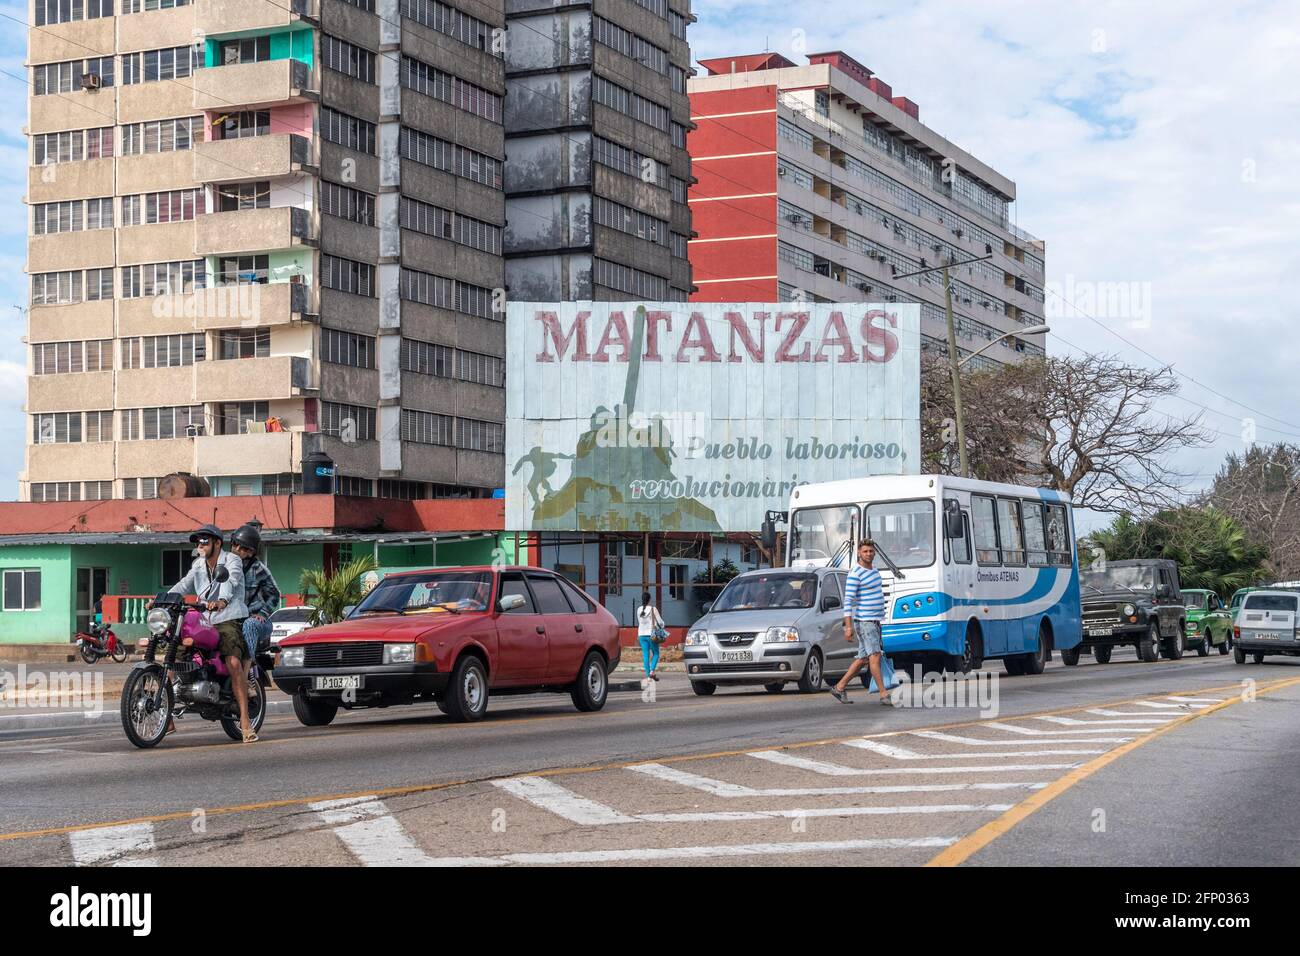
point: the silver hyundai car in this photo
(771, 627)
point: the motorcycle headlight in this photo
(399, 653)
(1129, 609)
(291, 656)
(697, 637)
(778, 635)
(158, 621)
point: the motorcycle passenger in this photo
(226, 611)
(261, 595)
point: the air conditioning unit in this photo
(193, 431)
(91, 81)
(937, 248)
(781, 171)
(862, 287)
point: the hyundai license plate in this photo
(340, 682)
(730, 656)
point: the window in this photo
(175, 563)
(242, 124)
(162, 278)
(479, 368)
(143, 6)
(629, 104)
(676, 23)
(1011, 531)
(346, 275)
(426, 79)
(234, 418)
(356, 488)
(161, 136)
(99, 426)
(452, 22)
(57, 358)
(480, 436)
(66, 77)
(166, 422)
(641, 285)
(233, 197)
(347, 130)
(22, 589)
(1058, 536)
(72, 146)
(676, 581)
(179, 205)
(444, 224)
(427, 428)
(97, 490)
(986, 530)
(550, 598)
(580, 603)
(693, 549)
(678, 133)
(72, 216)
(347, 348)
(170, 63)
(1035, 541)
(346, 203)
(680, 188)
(140, 488)
(349, 422)
(958, 549)
(342, 56)
(243, 343)
(630, 221)
(234, 270)
(512, 582)
(610, 34)
(450, 157)
(56, 428)
(427, 358)
(245, 50)
(65, 11)
(443, 293)
(282, 484)
(56, 491)
(631, 163)
(164, 351)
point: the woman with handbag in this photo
(650, 632)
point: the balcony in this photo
(269, 83)
(236, 16)
(223, 307)
(252, 230)
(250, 158)
(269, 453)
(255, 379)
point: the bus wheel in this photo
(1014, 666)
(972, 656)
(1035, 662)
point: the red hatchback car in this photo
(451, 635)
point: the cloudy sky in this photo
(1151, 143)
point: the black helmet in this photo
(207, 531)
(248, 536)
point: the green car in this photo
(1209, 623)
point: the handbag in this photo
(660, 634)
(887, 674)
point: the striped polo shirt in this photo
(864, 597)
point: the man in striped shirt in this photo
(864, 606)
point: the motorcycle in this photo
(182, 673)
(100, 641)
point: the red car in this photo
(451, 635)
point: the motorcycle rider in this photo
(226, 612)
(261, 595)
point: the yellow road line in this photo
(964, 848)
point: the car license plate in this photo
(737, 656)
(1100, 631)
(340, 682)
(1267, 636)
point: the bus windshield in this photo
(817, 534)
(904, 530)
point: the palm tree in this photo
(333, 592)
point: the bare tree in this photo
(1261, 490)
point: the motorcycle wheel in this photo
(256, 709)
(145, 725)
(88, 653)
(119, 653)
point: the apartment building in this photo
(817, 183)
(264, 229)
(598, 173)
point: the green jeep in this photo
(1209, 623)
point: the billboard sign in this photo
(671, 416)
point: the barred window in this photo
(99, 142)
(66, 11)
(452, 22)
(99, 426)
(629, 161)
(164, 351)
(678, 77)
(427, 358)
(680, 189)
(282, 484)
(427, 428)
(429, 80)
(140, 488)
(658, 7)
(243, 343)
(641, 285)
(242, 124)
(346, 58)
(480, 436)
(799, 258)
(347, 275)
(162, 278)
(347, 130)
(677, 243)
(629, 104)
(54, 217)
(233, 197)
(366, 5)
(237, 270)
(58, 358)
(161, 136)
(347, 203)
(233, 418)
(629, 44)
(450, 157)
(178, 205)
(479, 368)
(56, 428)
(404, 490)
(51, 148)
(443, 293)
(347, 348)
(169, 63)
(445, 224)
(350, 422)
(143, 6)
(65, 77)
(631, 221)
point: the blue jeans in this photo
(253, 631)
(649, 653)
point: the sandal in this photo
(251, 737)
(171, 727)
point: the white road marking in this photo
(371, 832)
(839, 770)
(1135, 715)
(649, 854)
(1106, 725)
(561, 801)
(1182, 708)
(109, 843)
(902, 753)
(719, 788)
(1197, 700)
(731, 816)
(1058, 732)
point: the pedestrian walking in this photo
(864, 606)
(650, 633)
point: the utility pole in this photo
(956, 374)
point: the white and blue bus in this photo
(972, 570)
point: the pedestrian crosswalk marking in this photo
(561, 801)
(719, 788)
(1196, 700)
(1003, 742)
(839, 770)
(1135, 716)
(1107, 726)
(104, 844)
(1061, 732)
(371, 832)
(1170, 708)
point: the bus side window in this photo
(1010, 531)
(986, 530)
(1058, 536)
(1035, 542)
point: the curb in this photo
(77, 720)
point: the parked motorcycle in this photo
(100, 641)
(182, 673)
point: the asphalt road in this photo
(1194, 777)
